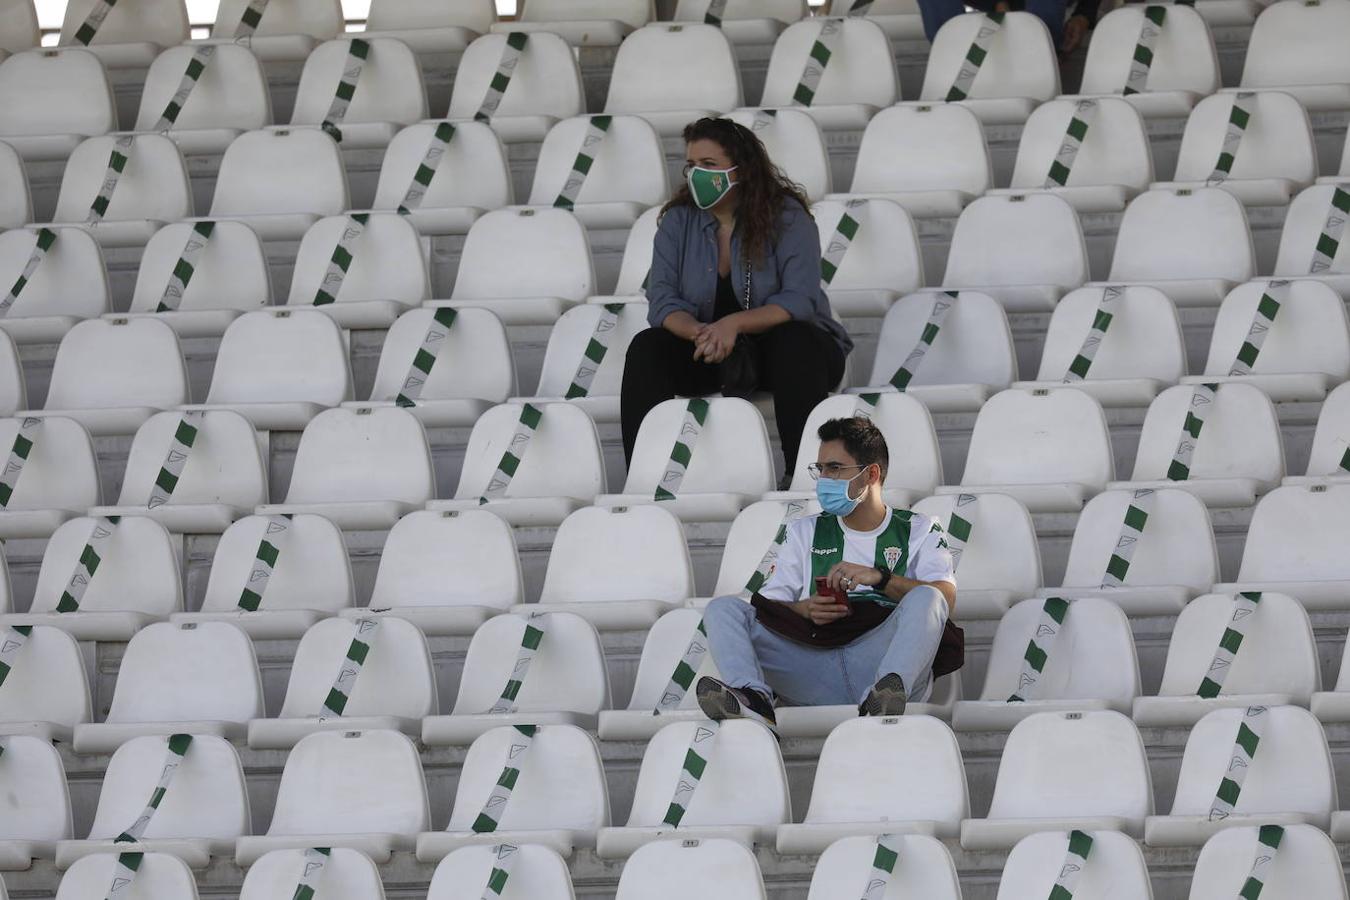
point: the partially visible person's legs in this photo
(1051, 12)
(659, 366)
(935, 14)
(904, 644)
(801, 365)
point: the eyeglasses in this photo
(829, 470)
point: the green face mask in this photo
(707, 186)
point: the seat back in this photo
(46, 683)
(1183, 233)
(447, 559)
(566, 674)
(320, 19)
(231, 92)
(201, 671)
(670, 870)
(861, 69)
(60, 471)
(1184, 58)
(70, 280)
(537, 872)
(732, 452)
(753, 532)
(1295, 44)
(159, 876)
(390, 15)
(46, 92)
(397, 677)
(34, 799)
(224, 465)
(563, 457)
(16, 202)
(390, 87)
(137, 569)
(474, 360)
(570, 338)
(641, 547)
(1115, 149)
(1303, 222)
(1308, 865)
(795, 144)
(637, 255)
(229, 272)
(19, 27)
(13, 390)
(1143, 341)
(1277, 142)
(662, 651)
(472, 170)
(311, 570)
(1310, 332)
(1331, 440)
(923, 868)
(1176, 545)
(552, 240)
(974, 345)
(884, 252)
(163, 22)
(1036, 437)
(346, 875)
(662, 67)
(153, 184)
(281, 170)
(628, 165)
(915, 462)
(923, 148)
(633, 13)
(1115, 865)
(1240, 438)
(1299, 534)
(365, 454)
(785, 11)
(1017, 239)
(387, 262)
(545, 82)
(1021, 60)
(1001, 552)
(281, 355)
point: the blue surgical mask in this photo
(833, 495)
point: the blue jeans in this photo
(748, 655)
(936, 13)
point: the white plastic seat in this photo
(560, 273)
(394, 689)
(279, 368)
(568, 342)
(1295, 545)
(429, 26)
(357, 789)
(52, 101)
(566, 682)
(1191, 244)
(13, 388)
(900, 19)
(673, 74)
(386, 276)
(69, 284)
(759, 22)
(930, 158)
(129, 37)
(1090, 666)
(230, 97)
(794, 142)
(1174, 558)
(643, 550)
(1025, 250)
(560, 470)
(45, 694)
(670, 870)
(159, 876)
(1113, 161)
(289, 29)
(200, 816)
(1307, 865)
(19, 27)
(742, 794)
(363, 469)
(899, 775)
(627, 174)
(1062, 771)
(882, 262)
(1142, 352)
(1048, 449)
(34, 800)
(1019, 72)
(471, 177)
(1334, 705)
(1303, 223)
(633, 270)
(583, 23)
(971, 358)
(1115, 866)
(1238, 456)
(545, 86)
(310, 578)
(923, 868)
(280, 181)
(859, 80)
(137, 581)
(559, 799)
(389, 92)
(1294, 49)
(731, 463)
(59, 479)
(347, 875)
(195, 678)
(16, 202)
(1275, 663)
(1001, 560)
(1331, 442)
(537, 873)
(1185, 65)
(1289, 779)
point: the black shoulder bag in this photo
(740, 370)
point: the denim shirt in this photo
(684, 270)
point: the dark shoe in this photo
(785, 483)
(720, 701)
(886, 698)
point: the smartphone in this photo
(824, 590)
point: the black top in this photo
(725, 303)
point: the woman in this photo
(735, 273)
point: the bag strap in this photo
(1244, 607)
(696, 413)
(264, 562)
(424, 360)
(1039, 648)
(530, 417)
(45, 238)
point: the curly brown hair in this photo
(763, 186)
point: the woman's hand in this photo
(715, 341)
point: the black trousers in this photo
(799, 363)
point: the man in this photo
(796, 645)
(1067, 35)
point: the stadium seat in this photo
(560, 274)
(391, 686)
(663, 650)
(280, 181)
(641, 550)
(230, 97)
(1342, 171)
(557, 797)
(446, 572)
(929, 158)
(670, 870)
(53, 101)
(1287, 778)
(386, 271)
(900, 19)
(545, 86)
(1307, 864)
(922, 867)
(1184, 66)
(739, 790)
(673, 74)
(1111, 161)
(1295, 545)
(794, 143)
(1048, 449)
(132, 35)
(16, 202)
(572, 347)
(1275, 157)
(754, 532)
(899, 775)
(1303, 225)
(158, 876)
(1024, 250)
(1114, 864)
(1062, 771)
(1334, 705)
(583, 23)
(193, 678)
(971, 357)
(1087, 661)
(288, 30)
(46, 693)
(308, 561)
(346, 875)
(1229, 651)
(429, 26)
(57, 481)
(1019, 72)
(34, 800)
(1191, 244)
(858, 80)
(470, 177)
(729, 462)
(1172, 555)
(882, 260)
(1293, 48)
(68, 285)
(560, 680)
(555, 464)
(536, 872)
(223, 476)
(1000, 560)
(760, 22)
(376, 804)
(388, 92)
(1328, 460)
(1238, 455)
(13, 390)
(19, 27)
(625, 171)
(200, 815)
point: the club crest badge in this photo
(892, 556)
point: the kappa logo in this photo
(824, 552)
